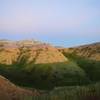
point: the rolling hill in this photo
(87, 57)
(32, 63)
(69, 72)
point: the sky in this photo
(59, 22)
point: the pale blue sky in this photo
(60, 22)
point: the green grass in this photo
(45, 76)
(74, 80)
(89, 92)
(91, 67)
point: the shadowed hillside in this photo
(8, 91)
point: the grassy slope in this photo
(46, 76)
(91, 67)
(9, 91)
(90, 92)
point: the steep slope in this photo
(8, 55)
(40, 54)
(8, 91)
(35, 51)
(91, 51)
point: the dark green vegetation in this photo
(91, 67)
(45, 76)
(90, 92)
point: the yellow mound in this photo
(42, 54)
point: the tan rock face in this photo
(42, 54)
(37, 53)
(9, 55)
(49, 55)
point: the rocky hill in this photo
(91, 51)
(31, 63)
(11, 52)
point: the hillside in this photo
(48, 72)
(37, 52)
(91, 51)
(9, 91)
(32, 63)
(87, 57)
(42, 54)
